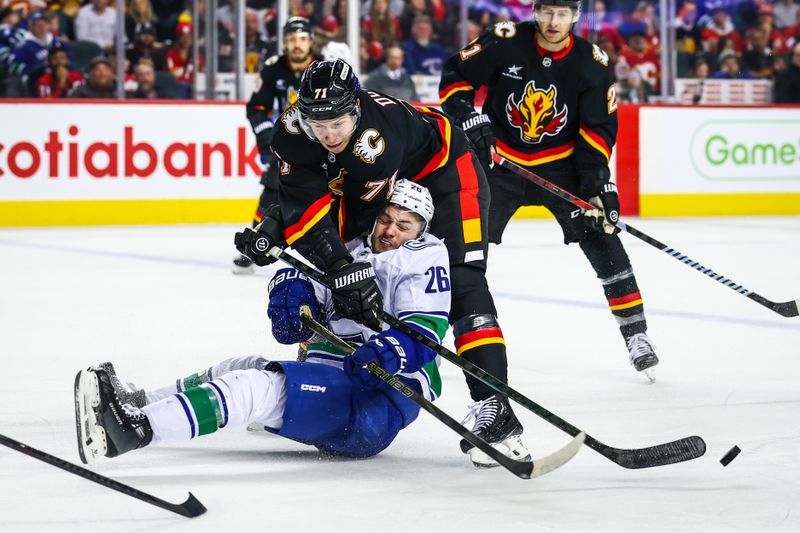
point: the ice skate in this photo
(643, 355)
(126, 392)
(105, 426)
(495, 423)
(243, 265)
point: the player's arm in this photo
(420, 284)
(596, 137)
(260, 107)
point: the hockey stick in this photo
(676, 451)
(787, 309)
(190, 508)
(523, 469)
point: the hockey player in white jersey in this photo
(330, 400)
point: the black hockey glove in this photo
(606, 215)
(479, 131)
(263, 139)
(255, 243)
(354, 292)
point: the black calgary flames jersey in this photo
(276, 90)
(545, 107)
(393, 140)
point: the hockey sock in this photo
(625, 302)
(180, 385)
(479, 340)
(234, 399)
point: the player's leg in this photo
(462, 221)
(610, 262)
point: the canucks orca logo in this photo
(369, 146)
(536, 114)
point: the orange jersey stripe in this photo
(625, 299)
(473, 336)
(478, 343)
(450, 90)
(313, 214)
(595, 141)
(441, 157)
(539, 158)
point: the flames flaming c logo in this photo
(536, 114)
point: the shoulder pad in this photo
(270, 61)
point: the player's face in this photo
(335, 133)
(394, 227)
(555, 23)
(298, 46)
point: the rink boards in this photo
(101, 162)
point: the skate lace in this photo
(133, 413)
(639, 345)
(483, 411)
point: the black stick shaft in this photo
(787, 309)
(662, 454)
(190, 508)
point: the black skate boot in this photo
(105, 425)
(643, 354)
(243, 265)
(126, 392)
(495, 423)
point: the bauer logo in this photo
(312, 388)
(746, 150)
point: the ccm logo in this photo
(312, 388)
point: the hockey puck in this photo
(730, 456)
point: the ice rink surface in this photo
(161, 303)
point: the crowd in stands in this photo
(66, 48)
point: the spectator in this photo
(31, 54)
(785, 14)
(391, 78)
(144, 47)
(11, 36)
(687, 31)
(146, 83)
(791, 35)
(766, 22)
(701, 70)
(729, 68)
(721, 26)
(633, 88)
(58, 79)
(413, 9)
(139, 12)
(179, 57)
(333, 26)
(381, 25)
(787, 83)
(595, 27)
(639, 55)
(423, 54)
(370, 54)
(97, 22)
(257, 49)
(757, 59)
(100, 82)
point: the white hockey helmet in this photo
(415, 198)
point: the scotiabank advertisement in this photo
(153, 155)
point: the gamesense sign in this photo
(747, 150)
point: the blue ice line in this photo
(649, 310)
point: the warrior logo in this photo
(369, 146)
(536, 114)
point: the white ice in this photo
(161, 303)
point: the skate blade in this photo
(650, 374)
(91, 436)
(512, 447)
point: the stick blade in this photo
(677, 451)
(788, 309)
(190, 508)
(560, 457)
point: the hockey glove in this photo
(393, 350)
(354, 292)
(479, 131)
(263, 139)
(256, 244)
(288, 291)
(606, 215)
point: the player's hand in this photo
(606, 213)
(263, 140)
(479, 131)
(288, 291)
(354, 292)
(393, 350)
(256, 243)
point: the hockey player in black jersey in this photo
(276, 90)
(551, 106)
(339, 152)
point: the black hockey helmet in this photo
(297, 25)
(328, 90)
